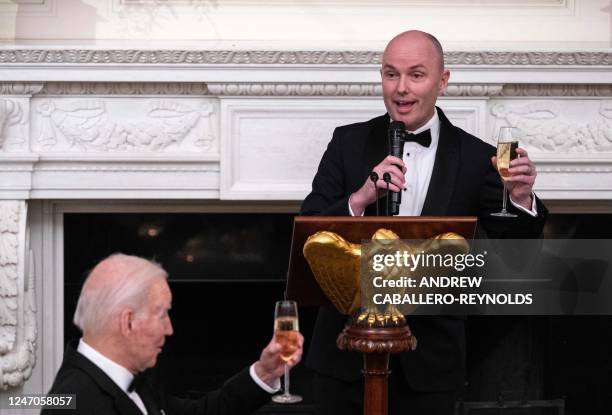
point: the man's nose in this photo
(168, 329)
(402, 85)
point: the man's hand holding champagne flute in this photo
(517, 171)
(281, 354)
(287, 335)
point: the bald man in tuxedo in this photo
(444, 171)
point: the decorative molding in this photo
(294, 89)
(124, 88)
(529, 58)
(9, 272)
(575, 169)
(85, 125)
(544, 130)
(124, 168)
(11, 114)
(17, 298)
(304, 89)
(557, 90)
(192, 57)
(376, 340)
(271, 57)
(20, 88)
(473, 90)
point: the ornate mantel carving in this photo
(86, 125)
(270, 57)
(17, 297)
(311, 89)
(200, 135)
(187, 139)
(545, 131)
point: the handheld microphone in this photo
(397, 132)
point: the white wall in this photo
(311, 24)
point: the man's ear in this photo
(444, 81)
(126, 322)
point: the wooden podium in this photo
(375, 343)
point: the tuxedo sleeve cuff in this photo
(534, 209)
(275, 388)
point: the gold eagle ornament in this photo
(336, 265)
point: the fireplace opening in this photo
(226, 270)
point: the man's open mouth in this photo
(404, 104)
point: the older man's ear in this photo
(126, 319)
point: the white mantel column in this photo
(18, 329)
(17, 297)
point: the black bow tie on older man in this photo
(146, 395)
(137, 382)
(423, 138)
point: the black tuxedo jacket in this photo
(463, 183)
(97, 394)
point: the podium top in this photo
(301, 284)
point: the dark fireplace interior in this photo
(226, 270)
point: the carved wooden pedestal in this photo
(376, 343)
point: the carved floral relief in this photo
(121, 125)
(17, 298)
(547, 128)
(12, 121)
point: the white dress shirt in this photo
(419, 161)
(123, 377)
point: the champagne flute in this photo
(286, 333)
(507, 143)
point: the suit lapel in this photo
(445, 170)
(126, 406)
(376, 147)
(123, 403)
(375, 150)
(148, 398)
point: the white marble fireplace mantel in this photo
(233, 127)
(191, 124)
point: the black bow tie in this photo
(423, 138)
(146, 394)
(137, 382)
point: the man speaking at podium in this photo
(442, 171)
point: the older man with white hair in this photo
(123, 314)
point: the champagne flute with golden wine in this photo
(286, 333)
(507, 143)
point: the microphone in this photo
(397, 132)
(374, 178)
(387, 179)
